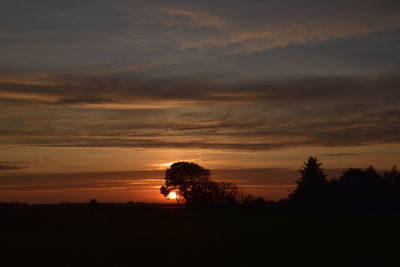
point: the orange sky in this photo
(97, 98)
(79, 174)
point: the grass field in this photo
(83, 235)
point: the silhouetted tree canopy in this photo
(356, 189)
(392, 176)
(361, 177)
(312, 184)
(192, 182)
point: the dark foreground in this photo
(121, 235)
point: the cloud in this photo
(28, 79)
(263, 26)
(207, 112)
(107, 84)
(27, 96)
(387, 115)
(141, 143)
(136, 180)
(194, 18)
(4, 167)
(273, 183)
(134, 35)
(88, 100)
(209, 90)
(339, 154)
(94, 186)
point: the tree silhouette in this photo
(355, 190)
(367, 190)
(192, 182)
(392, 176)
(312, 185)
(359, 177)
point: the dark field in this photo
(84, 235)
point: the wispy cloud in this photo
(260, 28)
(28, 79)
(194, 18)
(106, 85)
(210, 112)
(138, 36)
(12, 165)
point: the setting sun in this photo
(172, 195)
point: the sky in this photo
(98, 98)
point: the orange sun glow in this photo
(172, 195)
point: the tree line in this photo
(355, 189)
